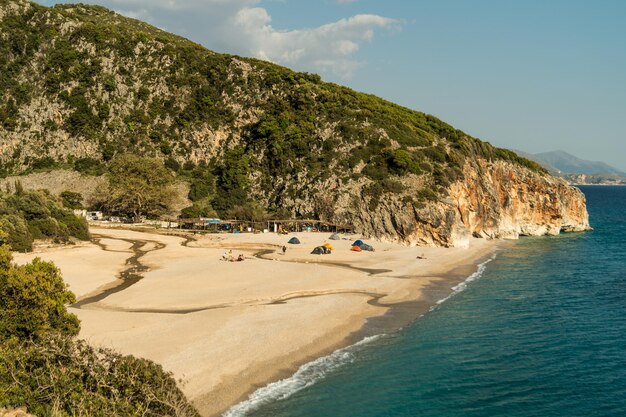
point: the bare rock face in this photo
(502, 200)
(493, 200)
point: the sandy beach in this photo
(224, 328)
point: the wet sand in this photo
(227, 328)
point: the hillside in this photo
(575, 170)
(570, 164)
(80, 84)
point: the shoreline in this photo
(227, 329)
(397, 316)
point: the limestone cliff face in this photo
(502, 200)
(493, 200)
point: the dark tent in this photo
(318, 251)
(294, 241)
(357, 243)
(326, 249)
(367, 247)
(334, 236)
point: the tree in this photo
(139, 186)
(201, 208)
(33, 299)
(251, 211)
(232, 180)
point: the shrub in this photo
(392, 186)
(47, 228)
(57, 376)
(33, 299)
(201, 208)
(427, 194)
(18, 235)
(89, 166)
(252, 211)
(44, 368)
(72, 200)
(44, 163)
(76, 226)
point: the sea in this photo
(538, 330)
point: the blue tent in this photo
(367, 247)
(357, 243)
(318, 250)
(294, 241)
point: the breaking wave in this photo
(312, 372)
(463, 285)
(307, 375)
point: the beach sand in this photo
(227, 328)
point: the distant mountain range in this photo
(577, 170)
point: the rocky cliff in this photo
(492, 200)
(80, 85)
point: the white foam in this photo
(310, 373)
(463, 285)
(307, 375)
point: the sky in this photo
(533, 75)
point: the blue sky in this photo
(530, 75)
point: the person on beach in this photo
(284, 249)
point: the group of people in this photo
(228, 256)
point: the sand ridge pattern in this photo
(226, 328)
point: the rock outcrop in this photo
(493, 200)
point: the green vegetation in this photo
(33, 299)
(72, 200)
(250, 127)
(138, 187)
(45, 369)
(200, 208)
(29, 215)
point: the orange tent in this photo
(356, 249)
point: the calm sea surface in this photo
(542, 332)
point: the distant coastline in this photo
(599, 185)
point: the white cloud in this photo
(327, 48)
(241, 27)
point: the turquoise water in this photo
(541, 333)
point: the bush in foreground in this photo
(43, 367)
(57, 376)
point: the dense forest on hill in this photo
(80, 85)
